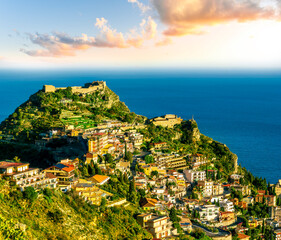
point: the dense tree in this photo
(132, 194)
(30, 194)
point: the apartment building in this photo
(192, 176)
(65, 175)
(227, 205)
(159, 226)
(23, 176)
(97, 142)
(196, 160)
(209, 212)
(174, 161)
(206, 187)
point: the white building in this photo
(206, 187)
(209, 212)
(192, 176)
(227, 205)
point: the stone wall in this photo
(88, 88)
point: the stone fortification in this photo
(169, 120)
(86, 89)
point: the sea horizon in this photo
(241, 109)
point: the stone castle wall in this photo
(88, 88)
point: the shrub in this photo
(56, 216)
(30, 194)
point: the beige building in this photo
(89, 192)
(197, 160)
(173, 161)
(169, 120)
(206, 187)
(158, 226)
(278, 189)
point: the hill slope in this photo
(51, 214)
(43, 111)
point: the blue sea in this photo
(239, 108)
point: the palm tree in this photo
(16, 159)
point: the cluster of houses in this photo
(60, 176)
(170, 180)
(114, 142)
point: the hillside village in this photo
(180, 183)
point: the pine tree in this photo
(132, 194)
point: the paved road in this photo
(211, 234)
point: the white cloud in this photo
(61, 44)
(144, 8)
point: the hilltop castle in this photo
(86, 89)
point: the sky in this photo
(140, 33)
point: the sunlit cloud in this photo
(164, 42)
(140, 5)
(61, 44)
(185, 17)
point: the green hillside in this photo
(43, 111)
(51, 214)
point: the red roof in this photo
(4, 164)
(226, 185)
(99, 134)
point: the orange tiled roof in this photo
(242, 236)
(100, 178)
(152, 200)
(68, 168)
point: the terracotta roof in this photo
(148, 205)
(152, 200)
(65, 167)
(149, 202)
(197, 155)
(50, 175)
(158, 143)
(100, 178)
(99, 134)
(5, 164)
(242, 236)
(226, 213)
(89, 155)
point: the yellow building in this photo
(109, 148)
(148, 204)
(149, 168)
(90, 192)
(180, 182)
